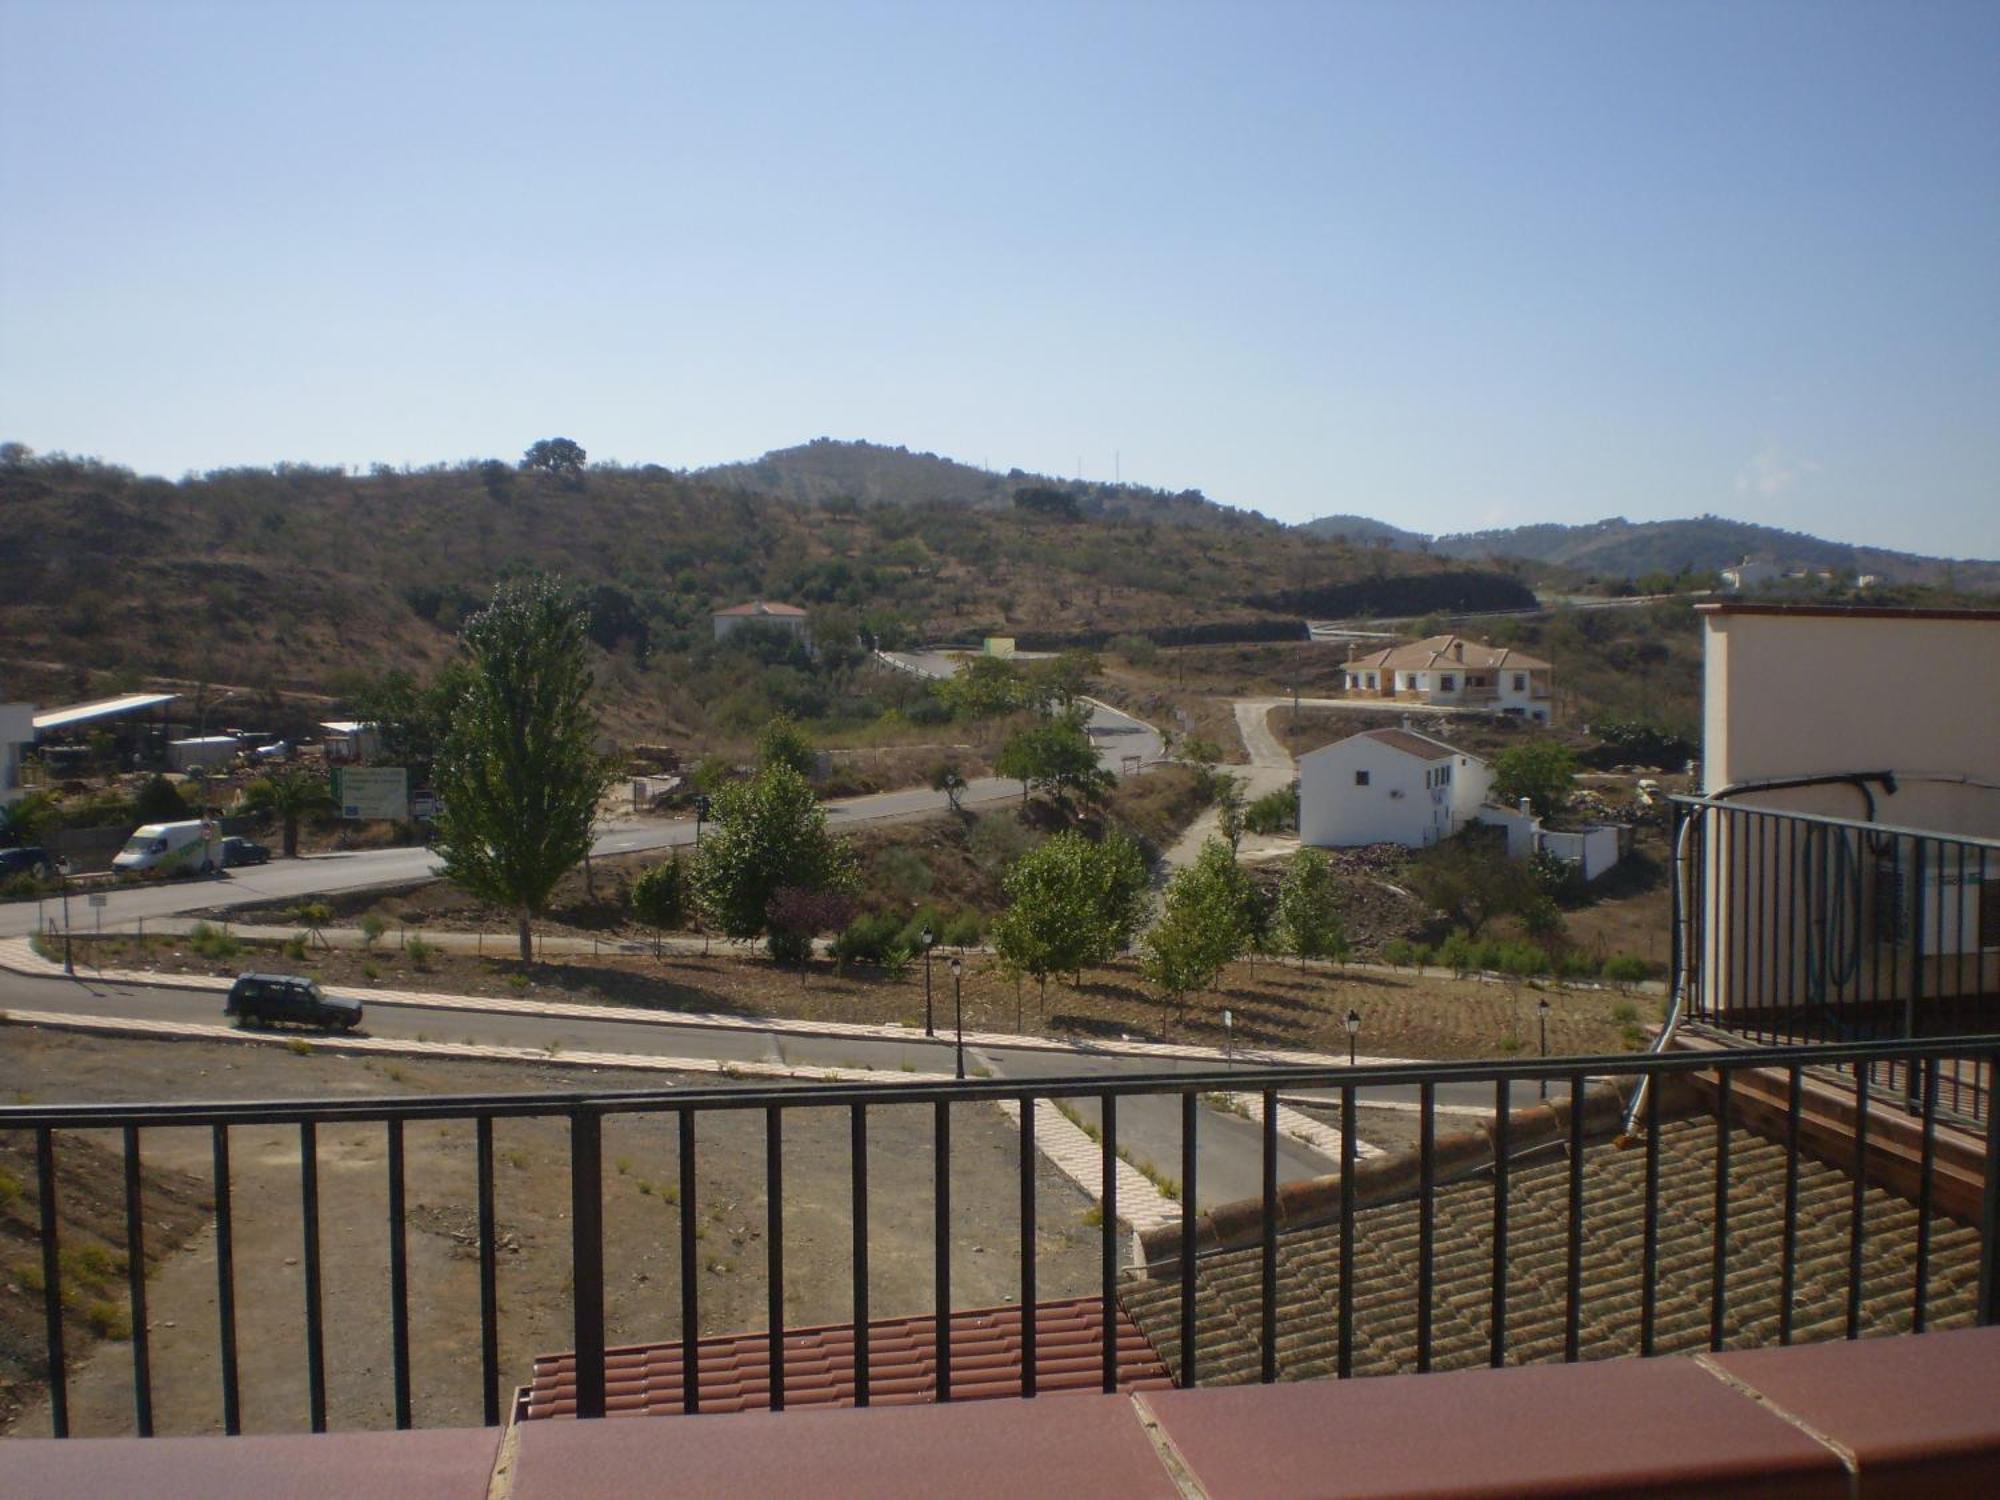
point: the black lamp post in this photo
(958, 1006)
(1353, 1031)
(1542, 1016)
(62, 874)
(924, 941)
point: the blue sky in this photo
(1451, 265)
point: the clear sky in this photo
(1450, 265)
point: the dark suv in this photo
(28, 860)
(273, 999)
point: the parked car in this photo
(29, 859)
(242, 851)
(287, 999)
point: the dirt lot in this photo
(641, 1220)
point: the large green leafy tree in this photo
(1204, 924)
(518, 775)
(1070, 903)
(1309, 923)
(1542, 771)
(1053, 756)
(769, 837)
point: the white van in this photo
(170, 849)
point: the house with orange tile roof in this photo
(1448, 671)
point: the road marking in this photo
(1302, 1128)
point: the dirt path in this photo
(1269, 769)
(641, 1220)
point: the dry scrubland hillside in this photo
(309, 580)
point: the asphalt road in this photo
(1230, 1160)
(1117, 735)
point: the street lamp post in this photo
(1228, 1037)
(1353, 1031)
(62, 874)
(924, 940)
(1542, 1016)
(958, 1007)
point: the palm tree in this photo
(289, 794)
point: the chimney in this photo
(1527, 808)
(1458, 650)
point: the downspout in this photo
(1859, 780)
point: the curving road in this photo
(1116, 734)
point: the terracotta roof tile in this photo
(734, 1372)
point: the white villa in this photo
(1448, 671)
(759, 612)
(1388, 786)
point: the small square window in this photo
(1361, 778)
(1520, 682)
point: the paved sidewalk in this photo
(18, 956)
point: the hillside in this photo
(1617, 548)
(827, 471)
(312, 581)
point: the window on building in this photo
(1447, 683)
(1444, 775)
(1520, 682)
(1361, 778)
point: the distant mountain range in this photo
(1618, 548)
(829, 471)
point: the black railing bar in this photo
(310, 1252)
(1426, 1221)
(489, 1272)
(857, 1152)
(1344, 1362)
(1573, 1260)
(774, 1252)
(1718, 1300)
(399, 1278)
(135, 1281)
(1107, 1120)
(1029, 1295)
(1190, 1111)
(1267, 1336)
(586, 1218)
(1926, 1173)
(1649, 1250)
(821, 1096)
(690, 1271)
(1989, 1209)
(1857, 1224)
(225, 1283)
(1827, 820)
(941, 1248)
(52, 1316)
(1503, 1118)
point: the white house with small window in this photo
(1448, 671)
(1388, 786)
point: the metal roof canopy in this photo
(106, 708)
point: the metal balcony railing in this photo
(1776, 1071)
(1792, 927)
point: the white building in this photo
(17, 732)
(1748, 575)
(1449, 671)
(760, 612)
(1388, 786)
(348, 741)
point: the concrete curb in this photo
(1304, 1129)
(1079, 1158)
(17, 956)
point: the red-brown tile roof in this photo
(734, 1371)
(1411, 743)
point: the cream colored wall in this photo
(1791, 695)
